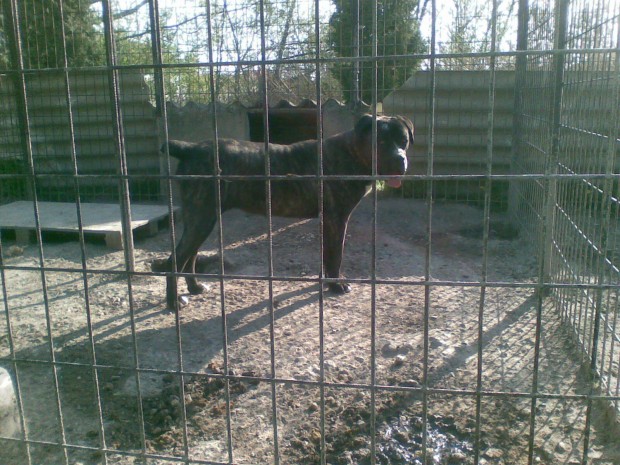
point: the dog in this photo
(345, 154)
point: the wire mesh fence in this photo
(573, 96)
(482, 322)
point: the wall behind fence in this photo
(462, 107)
(460, 146)
(462, 104)
(461, 119)
(92, 126)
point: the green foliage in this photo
(134, 48)
(470, 29)
(42, 38)
(398, 34)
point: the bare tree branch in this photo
(130, 11)
(284, 37)
(422, 11)
(185, 21)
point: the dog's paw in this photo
(198, 288)
(340, 288)
(176, 304)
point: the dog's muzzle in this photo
(395, 165)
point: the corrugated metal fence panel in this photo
(48, 110)
(461, 119)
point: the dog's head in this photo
(394, 136)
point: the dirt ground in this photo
(231, 418)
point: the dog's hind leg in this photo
(194, 234)
(193, 286)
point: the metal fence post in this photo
(514, 194)
(119, 137)
(12, 36)
(551, 164)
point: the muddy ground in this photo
(231, 418)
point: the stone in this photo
(15, 251)
(9, 415)
(493, 453)
(389, 349)
(412, 383)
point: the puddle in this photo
(400, 442)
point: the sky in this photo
(179, 10)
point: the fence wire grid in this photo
(482, 326)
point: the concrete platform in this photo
(97, 218)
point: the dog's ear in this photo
(409, 125)
(363, 125)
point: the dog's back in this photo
(240, 158)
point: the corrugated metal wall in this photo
(49, 127)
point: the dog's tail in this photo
(178, 149)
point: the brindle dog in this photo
(345, 154)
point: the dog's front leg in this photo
(172, 287)
(334, 232)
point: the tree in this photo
(40, 25)
(470, 31)
(398, 34)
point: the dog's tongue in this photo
(395, 183)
